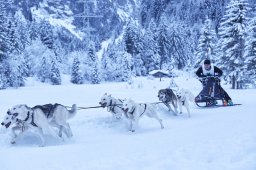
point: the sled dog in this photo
(184, 96)
(25, 118)
(167, 96)
(39, 118)
(58, 115)
(135, 111)
(114, 106)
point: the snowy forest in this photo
(105, 40)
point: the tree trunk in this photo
(233, 81)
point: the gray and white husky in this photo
(167, 96)
(40, 119)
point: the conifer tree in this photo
(232, 34)
(55, 77)
(76, 74)
(249, 71)
(207, 43)
(95, 74)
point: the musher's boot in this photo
(230, 103)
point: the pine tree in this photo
(16, 75)
(232, 34)
(95, 74)
(116, 63)
(43, 72)
(249, 71)
(179, 46)
(206, 48)
(150, 54)
(76, 74)
(46, 34)
(55, 77)
(3, 31)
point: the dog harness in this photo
(141, 113)
(32, 119)
(111, 108)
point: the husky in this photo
(167, 96)
(184, 96)
(58, 115)
(40, 118)
(114, 106)
(23, 116)
(135, 111)
(17, 126)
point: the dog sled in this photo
(212, 93)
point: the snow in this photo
(213, 139)
(61, 20)
(161, 71)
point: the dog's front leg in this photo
(169, 107)
(14, 134)
(41, 136)
(180, 106)
(131, 125)
(134, 123)
(187, 107)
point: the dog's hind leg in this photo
(67, 130)
(159, 120)
(180, 107)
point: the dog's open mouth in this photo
(7, 125)
(125, 110)
(103, 104)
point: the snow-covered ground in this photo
(212, 139)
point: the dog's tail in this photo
(73, 111)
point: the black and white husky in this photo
(135, 111)
(114, 106)
(40, 119)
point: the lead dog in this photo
(184, 96)
(135, 111)
(24, 117)
(114, 106)
(167, 96)
(36, 118)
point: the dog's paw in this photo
(13, 142)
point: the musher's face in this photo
(207, 66)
